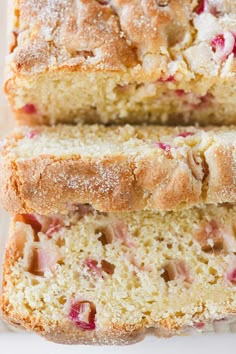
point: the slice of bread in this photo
(100, 278)
(122, 61)
(49, 169)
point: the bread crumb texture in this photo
(91, 277)
(122, 61)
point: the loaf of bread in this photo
(49, 169)
(122, 61)
(100, 278)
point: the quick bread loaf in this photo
(121, 61)
(100, 278)
(48, 169)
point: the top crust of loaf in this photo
(122, 61)
(147, 36)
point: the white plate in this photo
(25, 343)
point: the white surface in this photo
(24, 343)
(217, 344)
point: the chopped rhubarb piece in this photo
(177, 269)
(223, 45)
(205, 6)
(201, 7)
(96, 270)
(40, 259)
(31, 134)
(93, 267)
(31, 220)
(199, 325)
(215, 238)
(168, 79)
(50, 224)
(203, 101)
(29, 108)
(185, 134)
(163, 146)
(218, 42)
(107, 267)
(180, 93)
(117, 231)
(231, 276)
(54, 227)
(83, 314)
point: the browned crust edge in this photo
(155, 181)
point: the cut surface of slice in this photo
(103, 278)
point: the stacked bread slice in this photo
(120, 230)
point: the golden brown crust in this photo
(135, 43)
(154, 179)
(91, 33)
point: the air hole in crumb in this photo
(180, 248)
(62, 300)
(165, 275)
(102, 238)
(203, 260)
(148, 243)
(179, 314)
(34, 282)
(60, 242)
(169, 246)
(212, 271)
(61, 262)
(159, 238)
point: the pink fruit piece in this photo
(223, 45)
(40, 259)
(177, 269)
(116, 231)
(106, 267)
(55, 226)
(180, 93)
(50, 224)
(231, 276)
(29, 219)
(163, 146)
(29, 108)
(218, 42)
(199, 325)
(201, 7)
(83, 314)
(93, 267)
(31, 134)
(185, 134)
(213, 237)
(170, 78)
